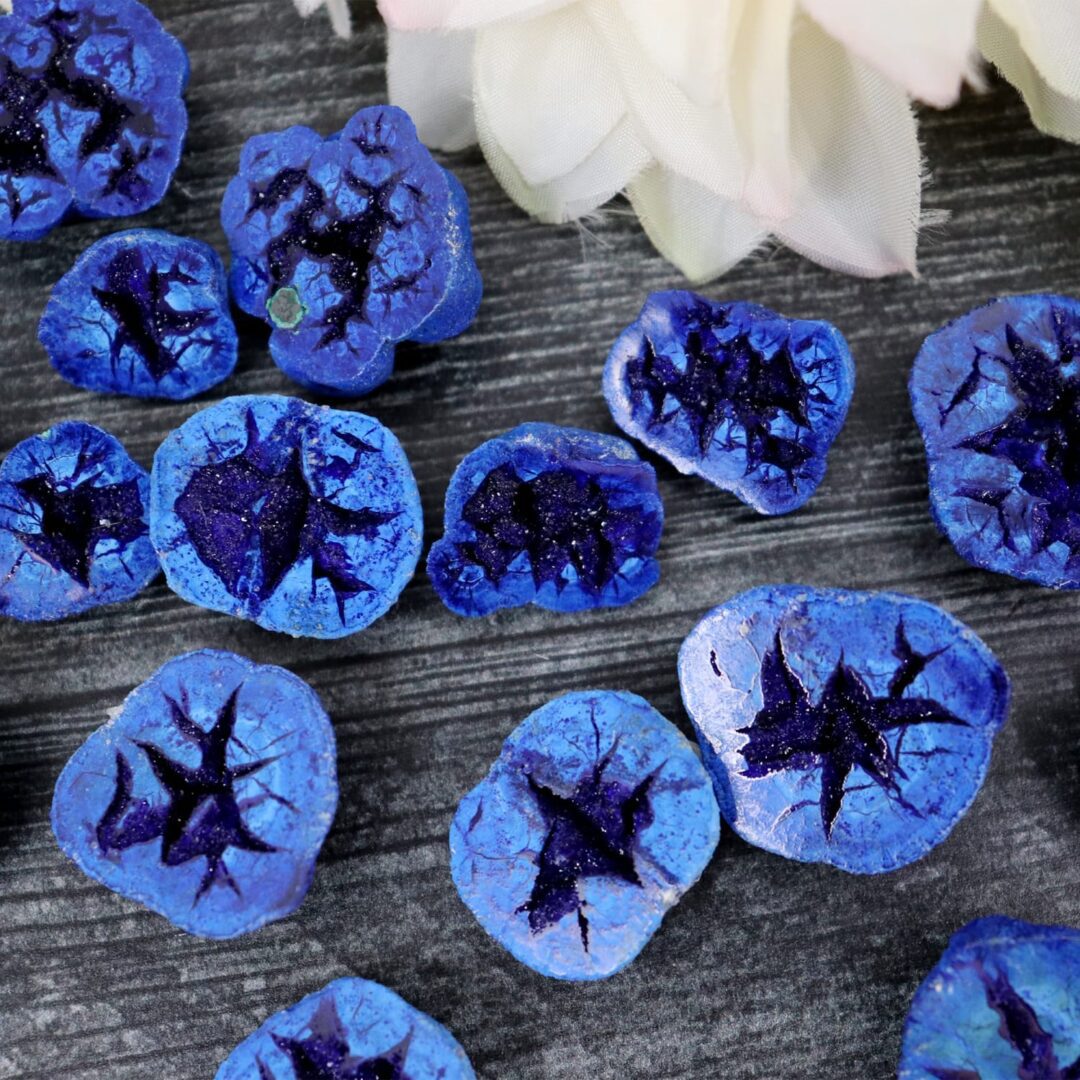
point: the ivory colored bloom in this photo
(338, 10)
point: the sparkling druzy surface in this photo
(733, 393)
(348, 245)
(301, 518)
(842, 727)
(73, 524)
(997, 397)
(91, 115)
(548, 515)
(142, 312)
(593, 822)
(1002, 1003)
(352, 1029)
(208, 795)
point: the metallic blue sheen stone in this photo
(593, 822)
(1002, 1003)
(841, 727)
(734, 393)
(92, 119)
(73, 524)
(301, 518)
(352, 1029)
(996, 395)
(207, 796)
(548, 515)
(348, 245)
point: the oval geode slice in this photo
(207, 797)
(593, 822)
(348, 245)
(841, 727)
(548, 515)
(92, 119)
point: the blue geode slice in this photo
(73, 524)
(144, 313)
(593, 822)
(301, 518)
(207, 797)
(842, 727)
(92, 119)
(548, 515)
(352, 1029)
(1002, 1002)
(733, 393)
(996, 395)
(348, 245)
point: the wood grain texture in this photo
(768, 969)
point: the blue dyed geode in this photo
(549, 515)
(352, 1029)
(842, 727)
(91, 115)
(996, 395)
(144, 313)
(73, 524)
(593, 822)
(301, 518)
(733, 393)
(1002, 1003)
(207, 797)
(348, 245)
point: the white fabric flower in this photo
(338, 10)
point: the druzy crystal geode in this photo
(554, 516)
(348, 245)
(207, 797)
(734, 393)
(593, 822)
(841, 727)
(92, 118)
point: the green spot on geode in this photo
(286, 308)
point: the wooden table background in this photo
(768, 969)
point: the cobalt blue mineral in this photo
(1002, 1003)
(593, 822)
(996, 395)
(548, 515)
(73, 524)
(301, 518)
(144, 313)
(352, 1029)
(348, 245)
(733, 393)
(92, 118)
(841, 727)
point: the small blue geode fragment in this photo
(1002, 1003)
(207, 797)
(73, 524)
(593, 822)
(301, 518)
(548, 515)
(144, 313)
(734, 393)
(348, 245)
(842, 727)
(92, 118)
(996, 395)
(351, 1029)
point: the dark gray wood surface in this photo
(768, 969)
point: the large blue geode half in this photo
(842, 727)
(348, 245)
(593, 822)
(734, 393)
(301, 518)
(92, 120)
(1002, 1003)
(207, 797)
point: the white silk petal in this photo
(338, 10)
(460, 14)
